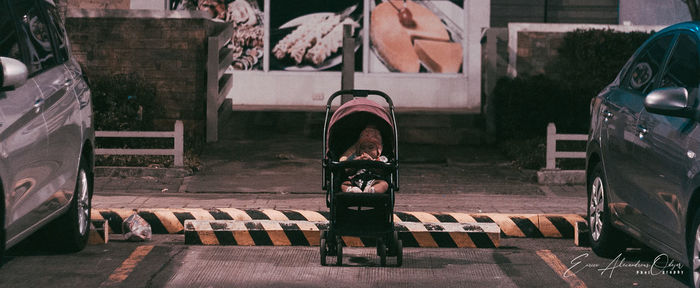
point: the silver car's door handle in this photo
(642, 131)
(37, 105)
(38, 102)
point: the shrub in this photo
(124, 102)
(588, 60)
(526, 153)
(524, 106)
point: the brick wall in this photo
(167, 49)
(536, 50)
(557, 11)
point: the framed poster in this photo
(247, 41)
(307, 35)
(416, 36)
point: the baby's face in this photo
(372, 149)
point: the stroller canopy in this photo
(351, 118)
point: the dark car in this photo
(46, 130)
(643, 171)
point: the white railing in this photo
(177, 135)
(219, 58)
(553, 154)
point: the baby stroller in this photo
(365, 215)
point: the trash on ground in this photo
(135, 228)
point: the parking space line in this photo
(560, 269)
(120, 274)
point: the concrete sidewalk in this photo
(262, 167)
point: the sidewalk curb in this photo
(560, 177)
(172, 221)
(127, 172)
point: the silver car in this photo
(46, 130)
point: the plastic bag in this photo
(135, 228)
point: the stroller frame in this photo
(376, 223)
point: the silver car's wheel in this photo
(72, 229)
(694, 248)
(595, 209)
(606, 240)
(83, 202)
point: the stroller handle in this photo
(360, 93)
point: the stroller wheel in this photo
(382, 252)
(323, 251)
(399, 253)
(339, 251)
(393, 238)
(379, 249)
(330, 245)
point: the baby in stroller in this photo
(367, 147)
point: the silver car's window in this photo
(36, 35)
(9, 43)
(643, 71)
(683, 65)
(59, 32)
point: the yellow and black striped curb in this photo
(164, 221)
(99, 232)
(305, 233)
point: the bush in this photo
(124, 102)
(526, 153)
(524, 106)
(588, 61)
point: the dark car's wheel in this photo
(694, 246)
(72, 229)
(2, 228)
(606, 240)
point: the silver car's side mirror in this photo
(14, 73)
(671, 101)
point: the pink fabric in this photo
(358, 105)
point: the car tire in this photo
(73, 228)
(2, 226)
(606, 240)
(694, 250)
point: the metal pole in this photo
(348, 73)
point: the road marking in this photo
(120, 274)
(559, 267)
